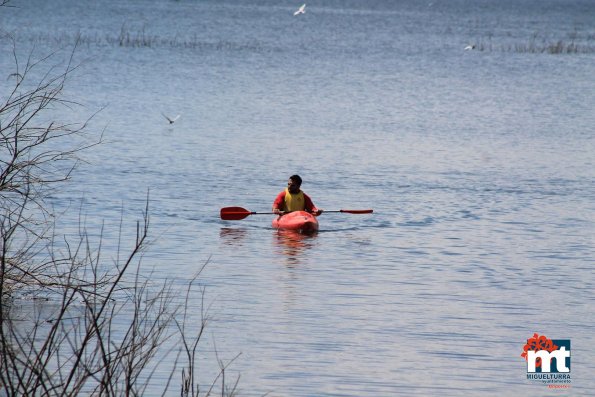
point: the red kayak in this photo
(301, 221)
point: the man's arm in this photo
(309, 205)
(278, 203)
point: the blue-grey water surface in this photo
(479, 166)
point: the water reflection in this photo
(232, 236)
(293, 244)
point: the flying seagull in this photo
(470, 47)
(172, 120)
(301, 10)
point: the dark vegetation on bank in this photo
(101, 325)
(139, 38)
(575, 42)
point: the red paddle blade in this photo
(234, 213)
(357, 211)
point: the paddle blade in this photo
(357, 211)
(234, 213)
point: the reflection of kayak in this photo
(297, 220)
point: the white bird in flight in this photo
(301, 10)
(172, 120)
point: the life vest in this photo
(295, 201)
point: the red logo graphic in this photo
(537, 343)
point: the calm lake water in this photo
(479, 165)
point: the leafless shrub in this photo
(37, 153)
(103, 324)
(104, 330)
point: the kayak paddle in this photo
(238, 213)
(350, 211)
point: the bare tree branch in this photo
(104, 324)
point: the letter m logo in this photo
(544, 359)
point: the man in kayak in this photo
(293, 199)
